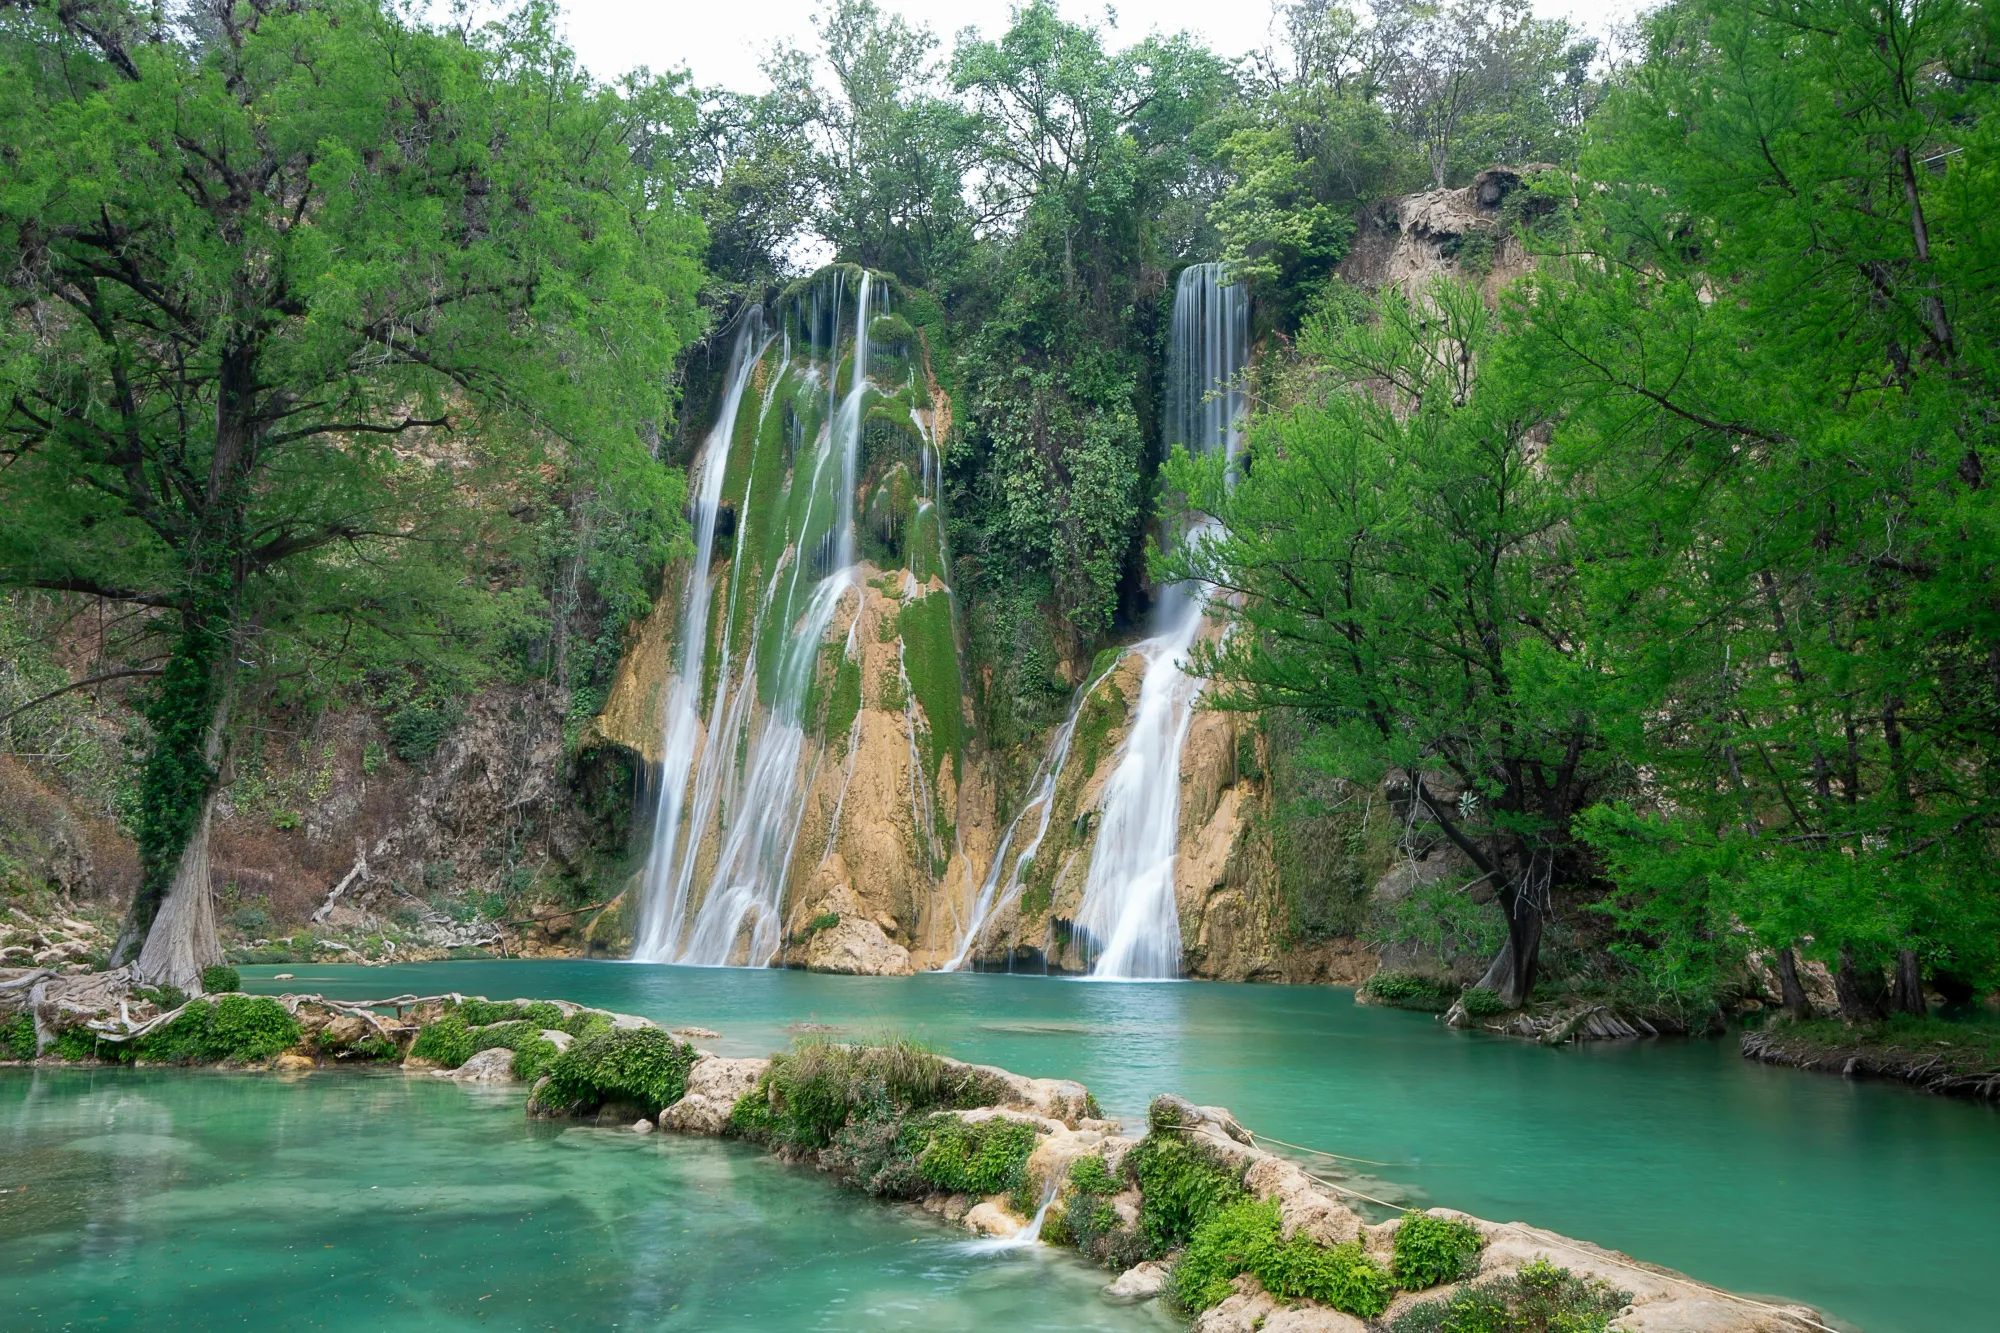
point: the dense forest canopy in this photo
(1659, 585)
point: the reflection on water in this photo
(163, 1200)
(1879, 1204)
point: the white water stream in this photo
(1129, 922)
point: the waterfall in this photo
(660, 910)
(749, 781)
(1129, 921)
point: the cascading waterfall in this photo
(661, 907)
(716, 880)
(1129, 921)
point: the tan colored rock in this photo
(494, 1065)
(343, 1030)
(857, 947)
(991, 1217)
(1313, 1319)
(1246, 1310)
(714, 1085)
(1141, 1282)
(1304, 1205)
(557, 1038)
(291, 1062)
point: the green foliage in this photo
(17, 1037)
(989, 1157)
(1430, 1250)
(532, 1057)
(642, 1065)
(1483, 1002)
(221, 979)
(76, 1043)
(1540, 1298)
(478, 1012)
(930, 659)
(163, 998)
(1411, 990)
(1181, 1185)
(238, 1028)
(430, 328)
(808, 1095)
(446, 1042)
(1244, 1237)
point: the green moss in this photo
(446, 1042)
(1481, 1002)
(1430, 1250)
(989, 1157)
(1540, 1298)
(17, 1038)
(642, 1065)
(532, 1057)
(220, 979)
(930, 660)
(585, 1024)
(481, 1013)
(1181, 1186)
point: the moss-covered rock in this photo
(642, 1067)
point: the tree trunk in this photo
(182, 940)
(1907, 996)
(1512, 972)
(1792, 992)
(1862, 994)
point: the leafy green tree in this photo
(285, 278)
(1773, 359)
(1395, 564)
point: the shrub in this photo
(1226, 1244)
(1481, 1002)
(17, 1038)
(445, 1041)
(1409, 990)
(1181, 1186)
(77, 1043)
(533, 1056)
(1541, 1298)
(1089, 1222)
(585, 1024)
(642, 1065)
(1430, 1250)
(989, 1157)
(810, 1094)
(221, 979)
(1089, 1175)
(251, 920)
(165, 998)
(242, 1028)
(1244, 1237)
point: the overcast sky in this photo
(723, 41)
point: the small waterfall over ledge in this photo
(1129, 919)
(733, 784)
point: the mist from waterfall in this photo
(716, 878)
(1129, 921)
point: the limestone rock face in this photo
(1313, 1319)
(494, 1065)
(713, 1087)
(990, 1217)
(857, 947)
(1141, 1282)
(1247, 1310)
(1302, 1204)
(557, 1038)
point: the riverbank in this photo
(1952, 1058)
(1194, 1210)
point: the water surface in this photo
(1878, 1204)
(167, 1200)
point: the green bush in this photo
(1244, 1237)
(77, 1043)
(533, 1057)
(810, 1094)
(240, 1028)
(220, 979)
(985, 1158)
(1410, 990)
(1430, 1250)
(1089, 1175)
(1181, 1186)
(1541, 1298)
(165, 998)
(585, 1024)
(1481, 1002)
(17, 1038)
(445, 1041)
(642, 1065)
(1220, 1248)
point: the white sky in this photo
(723, 41)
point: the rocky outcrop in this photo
(713, 1087)
(857, 946)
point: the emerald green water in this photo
(158, 1200)
(1878, 1204)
